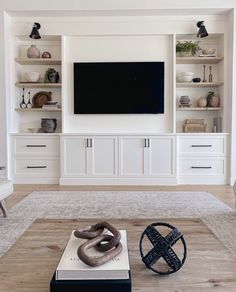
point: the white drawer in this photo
(27, 168)
(214, 146)
(201, 166)
(40, 145)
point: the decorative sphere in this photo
(202, 101)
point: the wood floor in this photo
(223, 192)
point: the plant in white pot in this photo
(187, 48)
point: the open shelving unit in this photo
(31, 117)
(195, 90)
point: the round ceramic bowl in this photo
(186, 78)
(32, 76)
(33, 130)
(208, 51)
(186, 73)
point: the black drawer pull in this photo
(36, 145)
(201, 145)
(39, 166)
(2, 167)
(201, 167)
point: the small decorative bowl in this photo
(210, 51)
(33, 130)
(32, 76)
(186, 78)
(197, 79)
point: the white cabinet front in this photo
(104, 156)
(141, 156)
(132, 153)
(86, 156)
(75, 158)
(160, 156)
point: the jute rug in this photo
(104, 205)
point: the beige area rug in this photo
(104, 205)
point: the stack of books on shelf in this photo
(73, 275)
(194, 126)
(50, 105)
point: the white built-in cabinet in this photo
(146, 156)
(87, 156)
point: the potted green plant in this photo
(187, 48)
(51, 76)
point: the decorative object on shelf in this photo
(208, 53)
(35, 31)
(212, 99)
(162, 247)
(185, 76)
(32, 76)
(210, 75)
(33, 52)
(33, 130)
(184, 101)
(48, 125)
(29, 104)
(51, 76)
(202, 101)
(204, 73)
(202, 32)
(40, 98)
(50, 105)
(187, 48)
(23, 103)
(217, 125)
(96, 238)
(197, 80)
(194, 126)
(46, 55)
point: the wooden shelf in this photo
(199, 108)
(38, 85)
(198, 84)
(198, 60)
(39, 61)
(37, 110)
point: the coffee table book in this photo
(123, 285)
(71, 267)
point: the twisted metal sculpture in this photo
(109, 245)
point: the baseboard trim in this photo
(39, 181)
(118, 181)
(203, 180)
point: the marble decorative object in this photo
(33, 52)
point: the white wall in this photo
(115, 49)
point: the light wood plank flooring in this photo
(223, 192)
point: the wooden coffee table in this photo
(29, 265)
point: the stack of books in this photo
(50, 105)
(73, 275)
(194, 126)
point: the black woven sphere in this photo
(162, 248)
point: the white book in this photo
(71, 267)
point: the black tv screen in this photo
(119, 88)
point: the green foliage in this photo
(47, 73)
(187, 46)
(209, 96)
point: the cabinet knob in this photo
(201, 167)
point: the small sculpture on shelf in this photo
(33, 52)
(212, 99)
(29, 104)
(46, 55)
(23, 103)
(51, 76)
(202, 101)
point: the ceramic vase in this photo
(48, 125)
(214, 101)
(33, 52)
(202, 102)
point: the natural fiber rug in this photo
(104, 205)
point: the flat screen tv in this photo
(119, 88)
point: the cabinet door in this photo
(160, 158)
(104, 156)
(132, 156)
(75, 156)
